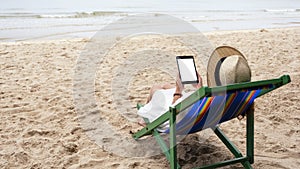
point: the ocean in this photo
(62, 19)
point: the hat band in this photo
(217, 71)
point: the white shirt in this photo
(159, 104)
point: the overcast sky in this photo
(160, 4)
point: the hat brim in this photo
(218, 54)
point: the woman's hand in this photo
(199, 84)
(179, 85)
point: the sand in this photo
(41, 125)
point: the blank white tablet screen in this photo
(187, 70)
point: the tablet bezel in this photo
(187, 57)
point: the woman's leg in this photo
(154, 88)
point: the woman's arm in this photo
(177, 94)
(178, 90)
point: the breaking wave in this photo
(62, 15)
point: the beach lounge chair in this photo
(208, 107)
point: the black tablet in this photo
(187, 69)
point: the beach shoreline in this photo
(40, 127)
(87, 38)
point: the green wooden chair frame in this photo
(171, 153)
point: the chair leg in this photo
(250, 136)
(234, 150)
(173, 151)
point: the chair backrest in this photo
(213, 110)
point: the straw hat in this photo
(227, 65)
